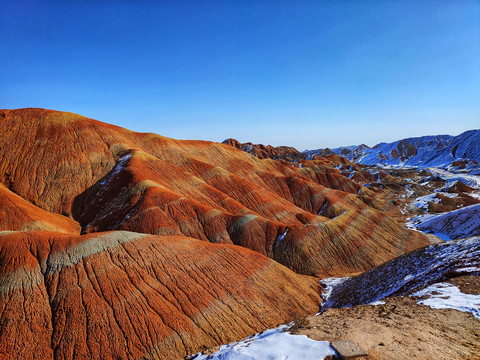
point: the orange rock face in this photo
(129, 295)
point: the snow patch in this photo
(328, 285)
(423, 201)
(379, 302)
(280, 238)
(122, 163)
(343, 213)
(448, 296)
(273, 344)
(323, 207)
(460, 223)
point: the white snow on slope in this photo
(328, 285)
(464, 222)
(423, 201)
(471, 180)
(448, 296)
(122, 163)
(406, 273)
(273, 344)
(279, 239)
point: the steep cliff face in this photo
(130, 295)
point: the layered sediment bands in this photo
(130, 295)
(311, 229)
(348, 242)
(111, 178)
(16, 214)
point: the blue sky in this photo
(308, 74)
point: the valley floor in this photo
(402, 329)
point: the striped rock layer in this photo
(120, 295)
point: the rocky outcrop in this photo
(261, 151)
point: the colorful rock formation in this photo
(170, 282)
(129, 295)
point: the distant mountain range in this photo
(460, 152)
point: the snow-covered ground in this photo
(449, 177)
(448, 296)
(273, 344)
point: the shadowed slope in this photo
(130, 295)
(18, 214)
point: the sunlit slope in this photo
(130, 295)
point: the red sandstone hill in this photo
(165, 290)
(122, 295)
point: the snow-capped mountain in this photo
(456, 152)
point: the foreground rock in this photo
(128, 295)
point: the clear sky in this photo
(308, 74)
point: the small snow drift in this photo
(407, 273)
(448, 296)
